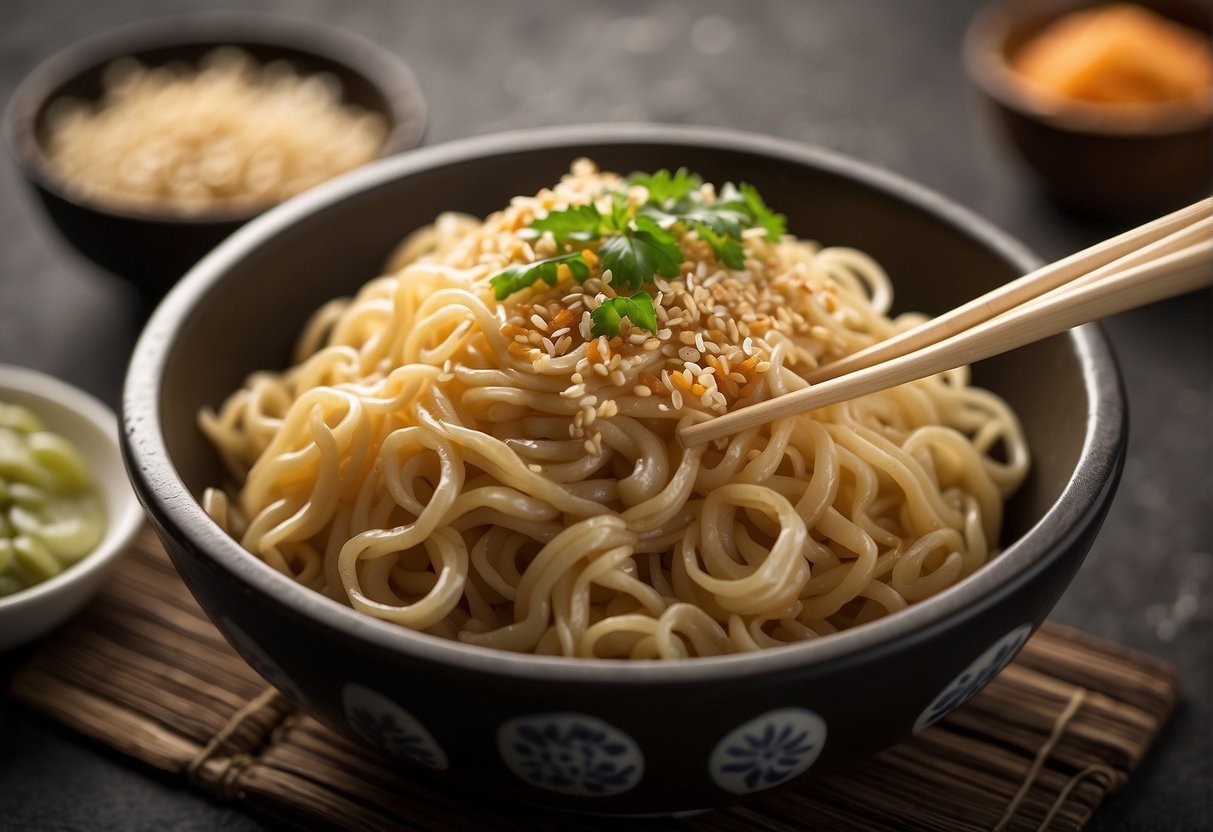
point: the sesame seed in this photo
(641, 391)
(676, 399)
(539, 323)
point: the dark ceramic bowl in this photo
(1093, 160)
(154, 248)
(665, 734)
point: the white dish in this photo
(93, 428)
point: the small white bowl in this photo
(93, 428)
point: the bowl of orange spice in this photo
(1110, 104)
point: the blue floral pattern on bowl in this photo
(259, 661)
(570, 753)
(389, 727)
(767, 750)
(974, 677)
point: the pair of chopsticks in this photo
(1163, 258)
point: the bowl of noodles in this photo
(411, 440)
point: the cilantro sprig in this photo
(637, 243)
(610, 313)
(516, 278)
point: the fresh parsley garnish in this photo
(609, 314)
(516, 278)
(746, 198)
(640, 251)
(665, 187)
(636, 243)
(580, 223)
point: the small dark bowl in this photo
(665, 733)
(154, 248)
(1093, 160)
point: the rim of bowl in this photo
(180, 514)
(985, 59)
(124, 514)
(381, 68)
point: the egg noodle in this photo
(493, 472)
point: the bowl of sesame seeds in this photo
(588, 734)
(150, 143)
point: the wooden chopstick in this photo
(1165, 273)
(1122, 251)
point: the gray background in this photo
(877, 79)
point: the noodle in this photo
(496, 473)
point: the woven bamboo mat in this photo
(144, 671)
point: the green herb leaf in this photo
(638, 309)
(523, 276)
(746, 198)
(644, 249)
(665, 188)
(581, 223)
(727, 248)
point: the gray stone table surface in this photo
(880, 80)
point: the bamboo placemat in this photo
(144, 671)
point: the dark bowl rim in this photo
(177, 512)
(386, 71)
(986, 64)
